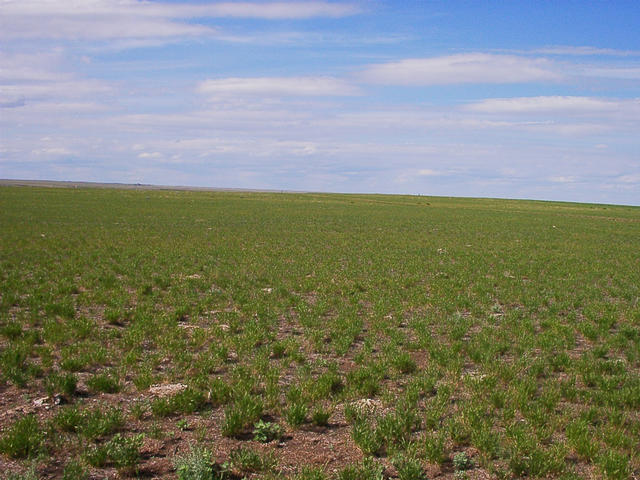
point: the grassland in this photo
(303, 336)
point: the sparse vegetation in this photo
(497, 338)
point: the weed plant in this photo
(266, 431)
(196, 464)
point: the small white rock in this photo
(167, 389)
(40, 402)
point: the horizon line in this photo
(11, 182)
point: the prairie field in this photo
(229, 335)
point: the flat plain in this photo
(192, 335)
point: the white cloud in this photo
(76, 88)
(277, 86)
(90, 20)
(150, 155)
(561, 115)
(563, 179)
(632, 178)
(300, 38)
(276, 10)
(616, 73)
(25, 78)
(584, 51)
(427, 172)
(568, 128)
(410, 120)
(430, 121)
(42, 66)
(111, 19)
(463, 68)
(52, 151)
(268, 10)
(547, 104)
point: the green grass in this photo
(185, 402)
(23, 439)
(90, 423)
(120, 451)
(247, 460)
(509, 329)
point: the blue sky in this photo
(490, 99)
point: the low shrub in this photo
(462, 462)
(194, 465)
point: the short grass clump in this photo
(75, 470)
(246, 460)
(242, 414)
(23, 439)
(185, 402)
(367, 470)
(61, 383)
(408, 468)
(296, 413)
(320, 416)
(120, 451)
(104, 383)
(90, 423)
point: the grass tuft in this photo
(23, 439)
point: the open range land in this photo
(229, 335)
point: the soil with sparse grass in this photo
(229, 335)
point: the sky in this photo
(506, 99)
